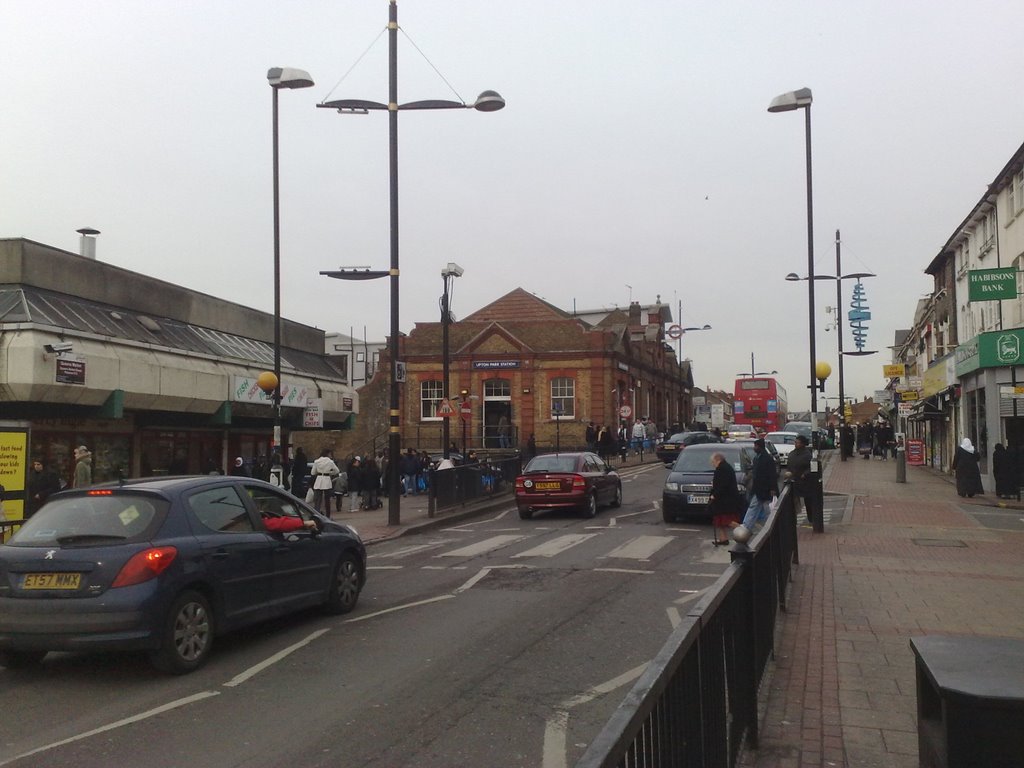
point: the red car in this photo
(580, 481)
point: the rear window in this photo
(551, 463)
(693, 461)
(97, 518)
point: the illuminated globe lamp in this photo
(822, 371)
(267, 382)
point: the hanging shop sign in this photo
(991, 284)
(995, 349)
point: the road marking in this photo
(483, 572)
(394, 608)
(558, 721)
(622, 570)
(413, 549)
(557, 545)
(384, 567)
(271, 660)
(118, 724)
(494, 542)
(640, 548)
(461, 528)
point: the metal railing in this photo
(469, 482)
(696, 702)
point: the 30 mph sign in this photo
(625, 411)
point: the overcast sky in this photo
(635, 159)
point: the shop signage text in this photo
(489, 365)
(991, 284)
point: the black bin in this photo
(970, 701)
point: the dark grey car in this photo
(688, 484)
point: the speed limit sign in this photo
(625, 411)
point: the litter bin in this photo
(970, 701)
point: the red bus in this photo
(761, 402)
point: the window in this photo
(563, 398)
(273, 504)
(430, 398)
(360, 357)
(221, 510)
(497, 388)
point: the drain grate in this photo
(939, 542)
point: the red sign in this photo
(466, 411)
(445, 408)
(915, 452)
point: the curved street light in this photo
(487, 101)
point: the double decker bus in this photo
(761, 402)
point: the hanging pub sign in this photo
(991, 284)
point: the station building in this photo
(152, 377)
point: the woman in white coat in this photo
(324, 471)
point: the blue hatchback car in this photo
(165, 565)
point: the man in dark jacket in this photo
(799, 466)
(41, 484)
(764, 486)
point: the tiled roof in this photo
(518, 304)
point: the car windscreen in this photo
(781, 439)
(693, 461)
(96, 518)
(551, 463)
(677, 437)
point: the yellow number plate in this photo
(51, 581)
(547, 486)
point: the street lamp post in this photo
(280, 77)
(487, 101)
(787, 102)
(450, 272)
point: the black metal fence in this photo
(469, 482)
(697, 701)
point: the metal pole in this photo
(839, 333)
(394, 420)
(445, 365)
(276, 446)
(810, 269)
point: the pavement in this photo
(896, 560)
(901, 560)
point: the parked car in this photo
(784, 442)
(800, 427)
(580, 481)
(688, 485)
(741, 432)
(670, 448)
(165, 565)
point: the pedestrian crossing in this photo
(602, 548)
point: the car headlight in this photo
(674, 487)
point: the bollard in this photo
(901, 464)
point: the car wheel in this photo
(345, 585)
(590, 506)
(186, 637)
(617, 499)
(20, 659)
(525, 514)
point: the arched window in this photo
(430, 398)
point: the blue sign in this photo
(773, 406)
(859, 314)
(737, 408)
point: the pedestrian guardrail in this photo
(466, 483)
(696, 703)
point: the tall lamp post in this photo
(450, 272)
(787, 102)
(487, 101)
(280, 77)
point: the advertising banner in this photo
(915, 452)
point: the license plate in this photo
(51, 581)
(550, 486)
(691, 499)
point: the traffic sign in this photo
(466, 411)
(445, 408)
(625, 411)
(675, 331)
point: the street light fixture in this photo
(787, 102)
(487, 101)
(450, 272)
(280, 77)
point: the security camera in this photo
(59, 347)
(452, 270)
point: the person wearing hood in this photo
(965, 466)
(238, 469)
(83, 467)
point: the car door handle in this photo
(220, 554)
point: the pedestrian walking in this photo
(798, 465)
(42, 483)
(299, 466)
(531, 447)
(638, 434)
(1004, 470)
(83, 467)
(238, 468)
(605, 443)
(323, 473)
(764, 486)
(968, 473)
(504, 432)
(355, 482)
(371, 484)
(590, 436)
(725, 501)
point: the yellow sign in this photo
(893, 371)
(909, 395)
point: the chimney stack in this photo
(87, 243)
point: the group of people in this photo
(871, 439)
(727, 502)
(608, 442)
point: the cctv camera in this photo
(62, 346)
(452, 269)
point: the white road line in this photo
(270, 661)
(413, 549)
(384, 567)
(118, 724)
(484, 571)
(558, 721)
(480, 547)
(674, 617)
(418, 603)
(640, 548)
(557, 545)
(462, 528)
(622, 570)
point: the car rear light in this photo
(578, 483)
(519, 483)
(145, 565)
(99, 493)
